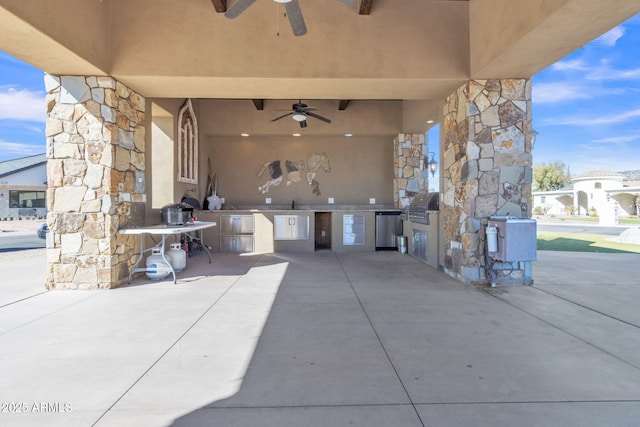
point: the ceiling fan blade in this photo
(283, 116)
(308, 108)
(348, 2)
(238, 8)
(295, 18)
(319, 117)
(303, 124)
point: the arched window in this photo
(187, 144)
(597, 185)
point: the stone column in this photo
(410, 175)
(486, 171)
(96, 185)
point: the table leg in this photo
(139, 257)
(205, 246)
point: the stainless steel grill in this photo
(421, 205)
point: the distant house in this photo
(23, 186)
(605, 192)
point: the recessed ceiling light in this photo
(429, 121)
(348, 134)
(244, 134)
(296, 134)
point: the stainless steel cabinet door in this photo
(236, 244)
(353, 230)
(236, 224)
(291, 227)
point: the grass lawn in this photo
(594, 220)
(575, 242)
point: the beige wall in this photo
(403, 50)
(512, 39)
(212, 56)
(361, 117)
(82, 26)
(163, 185)
(361, 168)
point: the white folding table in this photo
(164, 231)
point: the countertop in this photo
(303, 208)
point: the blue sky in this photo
(586, 107)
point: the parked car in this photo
(43, 230)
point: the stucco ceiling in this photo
(415, 51)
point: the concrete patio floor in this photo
(324, 339)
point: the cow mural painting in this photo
(314, 163)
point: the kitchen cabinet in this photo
(236, 244)
(353, 229)
(237, 233)
(237, 224)
(291, 227)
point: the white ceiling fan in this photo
(292, 7)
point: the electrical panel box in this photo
(516, 239)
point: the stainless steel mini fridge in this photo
(388, 226)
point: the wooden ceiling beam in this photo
(365, 7)
(343, 104)
(220, 5)
(259, 103)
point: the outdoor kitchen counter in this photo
(261, 238)
(304, 208)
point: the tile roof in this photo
(598, 174)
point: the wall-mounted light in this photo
(534, 134)
(433, 164)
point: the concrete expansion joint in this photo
(496, 295)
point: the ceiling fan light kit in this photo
(299, 112)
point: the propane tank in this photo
(157, 267)
(177, 257)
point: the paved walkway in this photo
(324, 339)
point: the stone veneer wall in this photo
(410, 176)
(96, 160)
(486, 171)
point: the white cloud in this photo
(22, 105)
(606, 73)
(18, 148)
(575, 64)
(619, 139)
(551, 93)
(610, 38)
(584, 120)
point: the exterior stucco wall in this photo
(361, 168)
